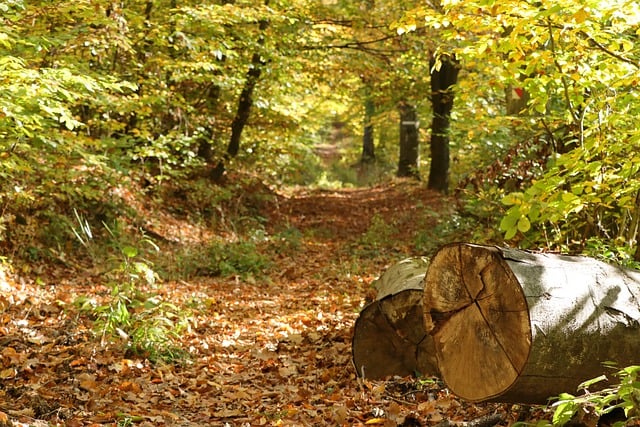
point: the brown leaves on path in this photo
(270, 351)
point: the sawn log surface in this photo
(514, 326)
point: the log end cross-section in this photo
(389, 337)
(478, 317)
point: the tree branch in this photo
(609, 52)
(563, 79)
(359, 45)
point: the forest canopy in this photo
(541, 142)
(196, 198)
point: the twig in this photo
(563, 78)
(610, 52)
(484, 421)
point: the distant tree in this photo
(245, 102)
(409, 142)
(368, 147)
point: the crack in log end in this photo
(440, 318)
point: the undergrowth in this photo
(133, 316)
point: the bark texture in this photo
(389, 336)
(409, 143)
(368, 148)
(514, 326)
(443, 78)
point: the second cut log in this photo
(389, 337)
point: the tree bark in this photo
(442, 80)
(516, 99)
(409, 144)
(389, 336)
(245, 102)
(368, 148)
(514, 326)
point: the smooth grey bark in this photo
(409, 143)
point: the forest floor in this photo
(272, 349)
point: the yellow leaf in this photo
(7, 373)
(627, 45)
(580, 16)
(375, 421)
(523, 224)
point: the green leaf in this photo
(523, 224)
(510, 233)
(510, 219)
(565, 410)
(534, 212)
(512, 199)
(130, 251)
(589, 383)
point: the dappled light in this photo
(211, 210)
(257, 350)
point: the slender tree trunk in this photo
(409, 144)
(442, 80)
(368, 148)
(245, 103)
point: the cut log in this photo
(389, 336)
(514, 326)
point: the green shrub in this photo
(132, 314)
(377, 239)
(219, 258)
(623, 396)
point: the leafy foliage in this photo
(578, 64)
(132, 315)
(623, 396)
(220, 258)
(104, 99)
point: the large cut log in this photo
(514, 326)
(389, 336)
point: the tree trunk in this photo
(442, 80)
(389, 337)
(514, 326)
(409, 144)
(368, 149)
(516, 99)
(635, 227)
(245, 102)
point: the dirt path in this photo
(265, 351)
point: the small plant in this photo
(132, 313)
(623, 397)
(241, 257)
(378, 236)
(617, 252)
(288, 240)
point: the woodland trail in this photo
(270, 350)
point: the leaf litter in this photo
(272, 351)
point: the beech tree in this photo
(409, 143)
(444, 75)
(159, 90)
